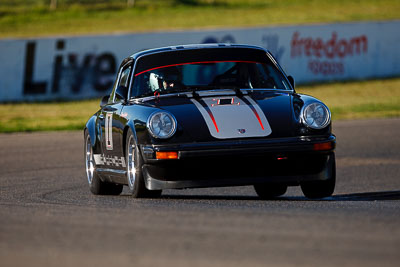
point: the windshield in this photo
(247, 71)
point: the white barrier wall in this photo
(85, 66)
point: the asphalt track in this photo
(49, 218)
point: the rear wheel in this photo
(268, 191)
(134, 163)
(96, 185)
(325, 188)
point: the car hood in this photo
(211, 115)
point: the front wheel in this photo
(325, 188)
(134, 174)
(96, 185)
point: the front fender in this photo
(299, 102)
(130, 125)
(90, 127)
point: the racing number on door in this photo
(108, 130)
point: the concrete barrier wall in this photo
(85, 66)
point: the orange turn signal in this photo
(323, 146)
(166, 155)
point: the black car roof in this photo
(192, 47)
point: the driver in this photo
(165, 79)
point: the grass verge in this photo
(37, 19)
(52, 116)
(359, 100)
(350, 100)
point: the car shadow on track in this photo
(366, 196)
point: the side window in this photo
(125, 77)
(121, 90)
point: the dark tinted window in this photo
(206, 69)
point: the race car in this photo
(208, 115)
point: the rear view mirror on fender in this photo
(104, 100)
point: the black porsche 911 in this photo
(207, 116)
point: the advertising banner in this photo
(85, 66)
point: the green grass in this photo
(34, 17)
(359, 100)
(53, 116)
(350, 100)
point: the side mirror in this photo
(104, 101)
(291, 80)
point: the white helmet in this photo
(155, 81)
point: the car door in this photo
(112, 143)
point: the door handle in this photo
(107, 108)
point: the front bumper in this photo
(238, 162)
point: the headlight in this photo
(161, 125)
(316, 115)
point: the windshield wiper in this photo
(194, 89)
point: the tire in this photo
(268, 191)
(134, 174)
(96, 185)
(325, 188)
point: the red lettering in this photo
(341, 48)
(317, 46)
(307, 46)
(295, 45)
(330, 46)
(333, 47)
(357, 43)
